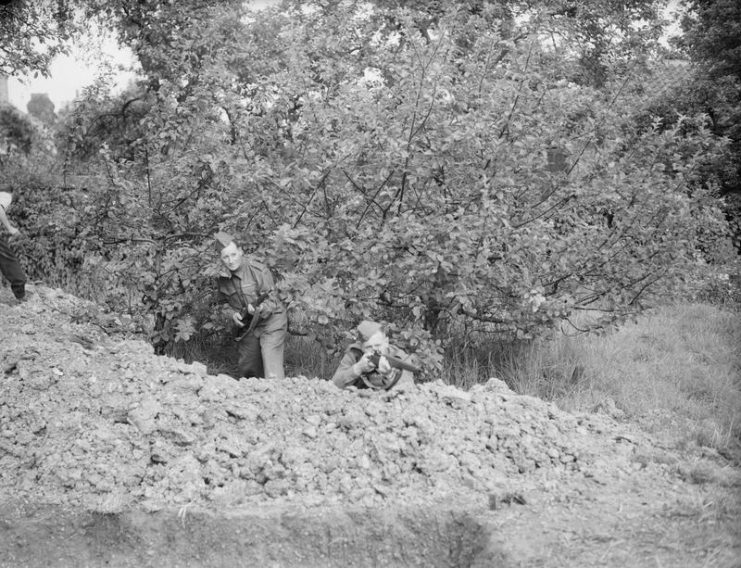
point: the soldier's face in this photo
(231, 256)
(377, 342)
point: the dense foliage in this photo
(32, 33)
(711, 40)
(453, 168)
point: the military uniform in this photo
(261, 350)
(9, 264)
(345, 375)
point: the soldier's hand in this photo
(250, 309)
(384, 367)
(237, 317)
(365, 365)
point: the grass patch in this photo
(677, 370)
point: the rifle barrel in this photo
(395, 362)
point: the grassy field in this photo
(676, 370)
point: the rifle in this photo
(395, 362)
(248, 319)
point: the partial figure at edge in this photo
(10, 266)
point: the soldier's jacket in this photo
(244, 287)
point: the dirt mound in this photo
(92, 420)
(101, 422)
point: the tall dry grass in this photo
(676, 370)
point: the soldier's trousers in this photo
(262, 356)
(12, 270)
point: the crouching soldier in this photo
(372, 362)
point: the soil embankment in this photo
(110, 455)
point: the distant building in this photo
(41, 107)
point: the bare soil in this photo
(112, 456)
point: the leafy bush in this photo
(461, 176)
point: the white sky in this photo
(71, 73)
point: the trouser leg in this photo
(273, 346)
(250, 357)
(12, 270)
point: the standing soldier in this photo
(9, 265)
(249, 289)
